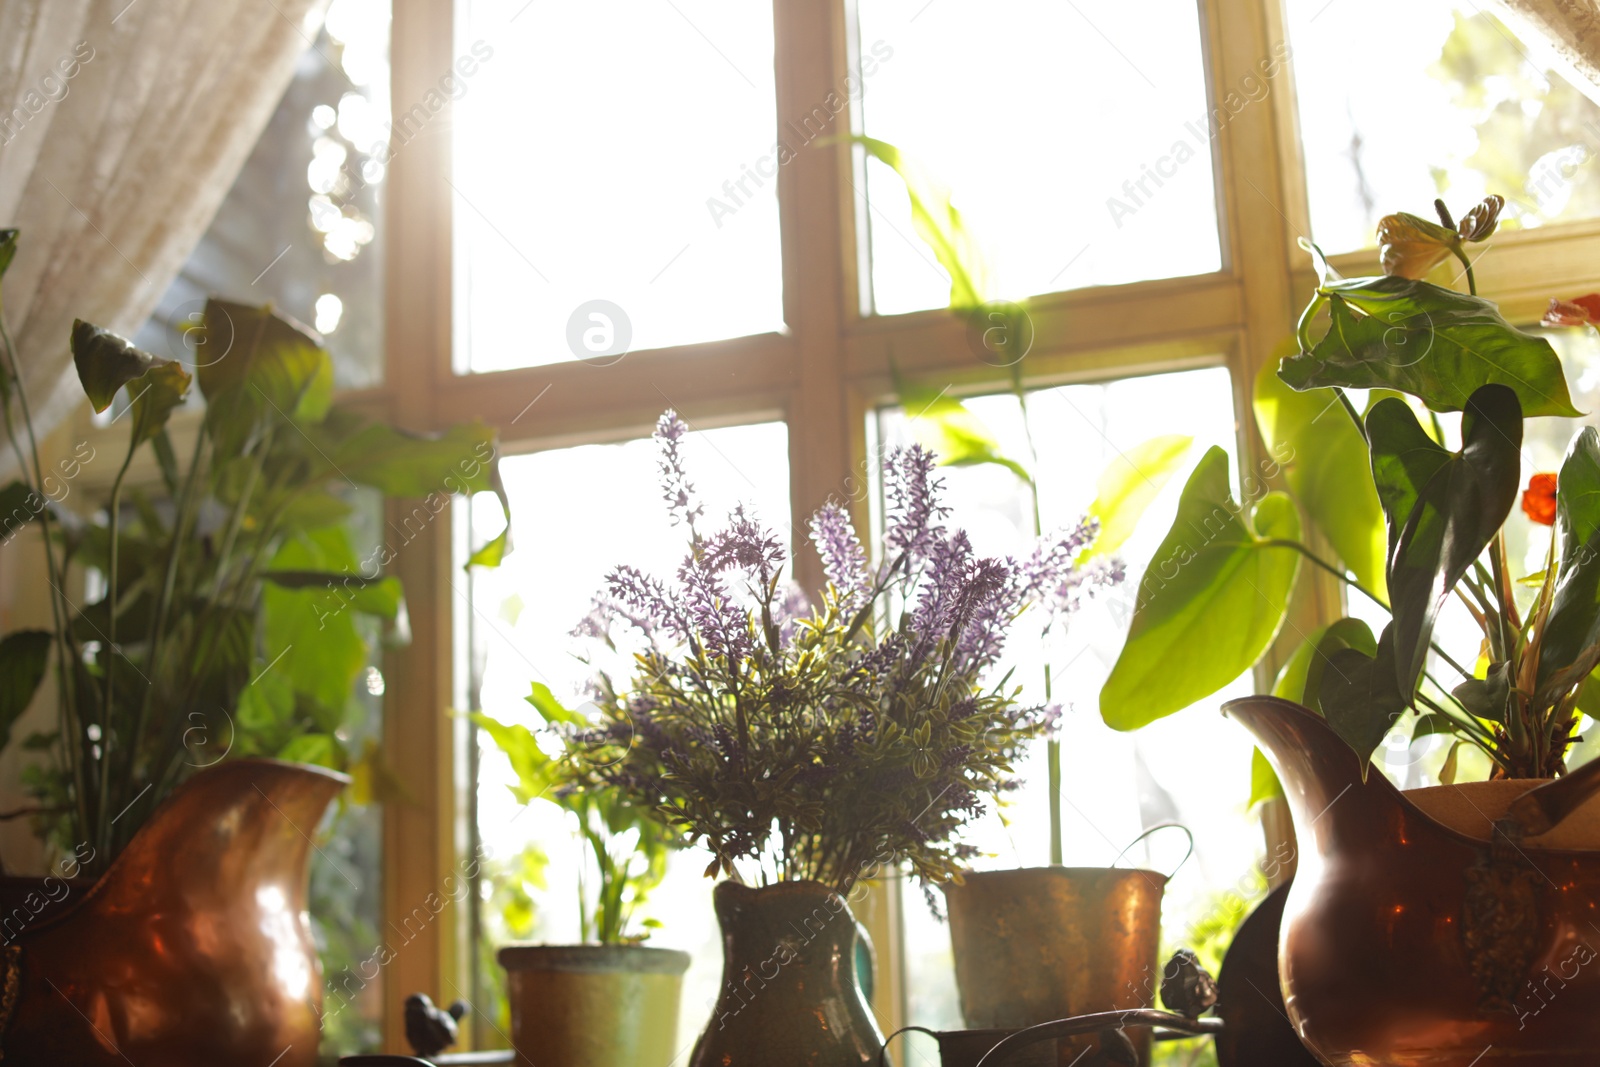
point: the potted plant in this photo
(1021, 937)
(1428, 909)
(810, 748)
(226, 624)
(609, 1001)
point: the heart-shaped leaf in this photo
(1442, 507)
(23, 657)
(1486, 697)
(1210, 603)
(1432, 342)
(256, 366)
(1300, 679)
(1129, 484)
(156, 394)
(1359, 696)
(1324, 458)
(107, 362)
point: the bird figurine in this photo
(1186, 987)
(430, 1029)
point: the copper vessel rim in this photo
(227, 766)
(1384, 785)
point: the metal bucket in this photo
(1046, 943)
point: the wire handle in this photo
(1162, 826)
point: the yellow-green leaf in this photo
(1129, 484)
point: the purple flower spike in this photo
(844, 561)
(676, 488)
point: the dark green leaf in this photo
(1300, 679)
(24, 654)
(1442, 508)
(1486, 697)
(1360, 698)
(19, 505)
(1210, 602)
(156, 393)
(107, 362)
(257, 367)
(1432, 342)
(1325, 464)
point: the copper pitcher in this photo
(194, 949)
(1408, 943)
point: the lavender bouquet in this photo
(826, 741)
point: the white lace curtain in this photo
(1571, 28)
(122, 126)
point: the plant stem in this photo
(114, 520)
(1350, 409)
(1461, 254)
(1283, 542)
(1052, 746)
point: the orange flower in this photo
(1579, 311)
(1539, 499)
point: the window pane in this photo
(1073, 136)
(1462, 108)
(519, 632)
(1114, 784)
(618, 153)
(301, 227)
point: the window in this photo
(1464, 107)
(587, 213)
(986, 101)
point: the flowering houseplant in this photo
(822, 742)
(627, 845)
(1413, 521)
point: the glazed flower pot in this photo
(193, 949)
(1043, 943)
(1417, 931)
(789, 994)
(593, 1005)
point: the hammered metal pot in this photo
(193, 949)
(1044, 943)
(1410, 940)
(593, 1005)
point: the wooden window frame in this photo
(823, 375)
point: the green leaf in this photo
(551, 709)
(24, 654)
(308, 634)
(1360, 697)
(1569, 650)
(944, 426)
(493, 551)
(255, 368)
(156, 393)
(1210, 602)
(19, 505)
(1447, 773)
(107, 362)
(1432, 342)
(1264, 784)
(1442, 508)
(1325, 464)
(379, 596)
(537, 774)
(1300, 679)
(322, 750)
(1129, 484)
(396, 463)
(1487, 697)
(935, 219)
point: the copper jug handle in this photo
(1165, 826)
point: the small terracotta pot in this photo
(593, 1005)
(1043, 943)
